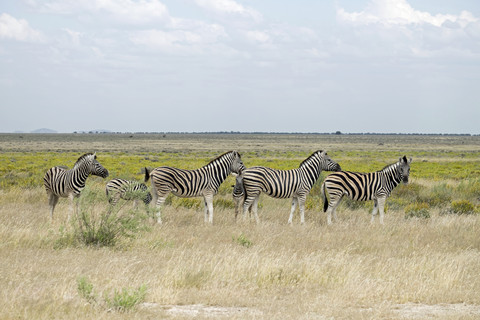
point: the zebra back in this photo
(286, 183)
(367, 186)
(190, 183)
(127, 190)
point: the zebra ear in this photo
(410, 161)
(95, 155)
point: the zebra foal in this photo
(203, 182)
(375, 186)
(117, 189)
(61, 182)
(294, 183)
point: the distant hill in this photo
(44, 130)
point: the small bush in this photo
(189, 203)
(417, 210)
(126, 299)
(243, 241)
(93, 227)
(223, 204)
(462, 207)
(85, 289)
(439, 195)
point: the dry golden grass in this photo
(349, 270)
(405, 269)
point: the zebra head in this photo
(404, 168)
(323, 161)
(237, 165)
(148, 196)
(93, 165)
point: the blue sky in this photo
(403, 66)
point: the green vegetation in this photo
(243, 241)
(122, 300)
(426, 254)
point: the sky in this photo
(355, 66)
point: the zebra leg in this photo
(381, 206)
(292, 210)
(52, 201)
(255, 209)
(160, 201)
(331, 209)
(301, 206)
(248, 203)
(375, 210)
(208, 200)
(73, 206)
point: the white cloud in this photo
(394, 28)
(258, 36)
(229, 7)
(400, 12)
(18, 29)
(194, 34)
(124, 11)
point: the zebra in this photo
(61, 182)
(117, 189)
(204, 181)
(238, 193)
(294, 183)
(375, 186)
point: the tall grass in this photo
(350, 270)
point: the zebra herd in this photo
(250, 183)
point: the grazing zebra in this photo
(61, 182)
(238, 193)
(204, 181)
(375, 186)
(117, 189)
(294, 183)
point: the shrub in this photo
(243, 241)
(462, 207)
(223, 203)
(439, 195)
(93, 227)
(417, 210)
(85, 289)
(189, 203)
(122, 300)
(126, 299)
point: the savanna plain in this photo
(423, 263)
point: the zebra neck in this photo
(80, 174)
(311, 172)
(219, 169)
(392, 178)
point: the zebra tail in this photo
(147, 174)
(324, 198)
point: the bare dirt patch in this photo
(201, 310)
(424, 311)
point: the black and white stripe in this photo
(375, 186)
(117, 189)
(61, 182)
(202, 182)
(294, 183)
(238, 194)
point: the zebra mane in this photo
(86, 155)
(222, 155)
(309, 157)
(390, 166)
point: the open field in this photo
(423, 267)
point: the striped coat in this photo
(203, 182)
(375, 186)
(61, 182)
